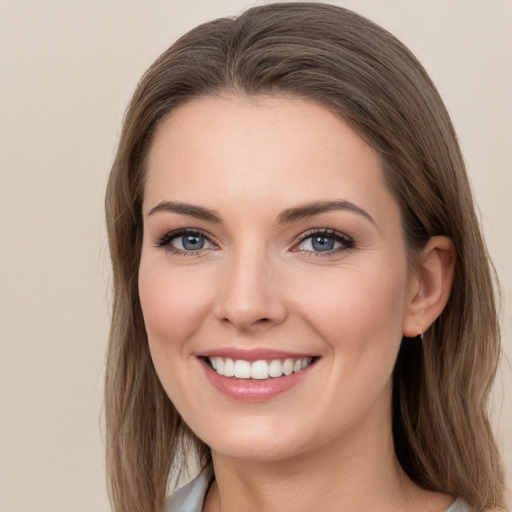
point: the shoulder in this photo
(461, 506)
(190, 498)
(458, 506)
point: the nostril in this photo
(262, 321)
(259, 322)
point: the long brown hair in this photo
(335, 57)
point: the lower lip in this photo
(251, 390)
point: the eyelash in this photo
(165, 241)
(346, 242)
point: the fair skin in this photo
(245, 267)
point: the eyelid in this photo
(164, 241)
(344, 239)
(347, 242)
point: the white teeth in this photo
(242, 369)
(259, 370)
(288, 366)
(275, 368)
(220, 366)
(229, 368)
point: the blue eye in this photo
(183, 241)
(191, 242)
(322, 243)
(325, 241)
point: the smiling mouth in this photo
(258, 370)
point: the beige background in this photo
(66, 72)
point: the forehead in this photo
(253, 148)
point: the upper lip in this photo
(254, 354)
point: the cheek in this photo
(358, 315)
(172, 303)
(358, 312)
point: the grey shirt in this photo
(191, 497)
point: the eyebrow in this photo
(186, 209)
(311, 209)
(287, 216)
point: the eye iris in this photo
(193, 242)
(322, 243)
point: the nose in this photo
(250, 297)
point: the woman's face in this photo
(271, 245)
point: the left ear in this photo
(430, 285)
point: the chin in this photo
(259, 450)
(263, 442)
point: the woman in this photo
(303, 302)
